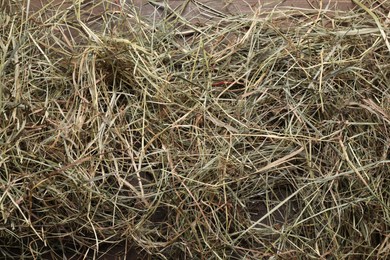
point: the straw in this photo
(247, 137)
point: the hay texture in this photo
(247, 137)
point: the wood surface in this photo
(193, 8)
(94, 13)
(201, 11)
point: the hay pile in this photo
(243, 138)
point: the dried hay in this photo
(244, 138)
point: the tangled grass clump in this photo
(244, 138)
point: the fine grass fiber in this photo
(248, 137)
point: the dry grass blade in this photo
(243, 137)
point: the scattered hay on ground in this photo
(244, 138)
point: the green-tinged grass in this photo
(249, 137)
